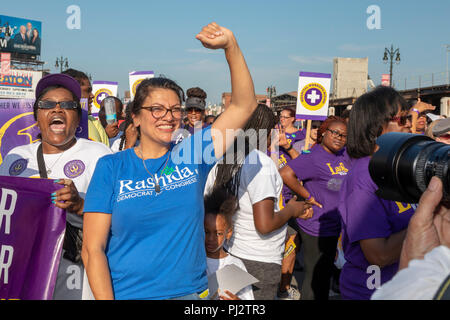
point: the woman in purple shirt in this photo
(322, 172)
(373, 228)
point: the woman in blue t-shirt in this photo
(143, 236)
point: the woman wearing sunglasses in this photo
(321, 172)
(71, 160)
(373, 228)
(144, 214)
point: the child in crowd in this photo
(219, 208)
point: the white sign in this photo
(231, 278)
(19, 84)
(101, 90)
(313, 95)
(136, 78)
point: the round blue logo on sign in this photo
(74, 168)
(17, 167)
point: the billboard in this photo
(19, 84)
(20, 35)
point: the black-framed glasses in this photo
(336, 134)
(159, 112)
(67, 105)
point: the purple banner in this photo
(18, 127)
(31, 238)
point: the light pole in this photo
(62, 63)
(447, 50)
(389, 56)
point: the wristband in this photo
(290, 147)
(415, 110)
(309, 198)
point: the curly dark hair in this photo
(196, 92)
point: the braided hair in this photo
(228, 174)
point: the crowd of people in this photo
(165, 196)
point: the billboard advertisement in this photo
(20, 35)
(19, 84)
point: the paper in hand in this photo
(231, 278)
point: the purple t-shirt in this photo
(366, 216)
(284, 158)
(322, 174)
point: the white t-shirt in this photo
(78, 164)
(216, 264)
(420, 280)
(259, 180)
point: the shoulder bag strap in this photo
(41, 163)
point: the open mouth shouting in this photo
(57, 124)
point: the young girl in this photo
(219, 208)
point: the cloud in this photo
(315, 60)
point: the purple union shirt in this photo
(284, 158)
(366, 216)
(322, 174)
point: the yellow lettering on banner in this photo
(402, 208)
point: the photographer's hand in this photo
(429, 227)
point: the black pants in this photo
(318, 258)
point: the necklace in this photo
(49, 170)
(157, 187)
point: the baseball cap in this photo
(60, 79)
(194, 102)
(441, 126)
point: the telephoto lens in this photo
(404, 164)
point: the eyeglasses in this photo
(194, 110)
(67, 105)
(336, 134)
(283, 117)
(401, 120)
(159, 112)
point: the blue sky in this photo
(278, 38)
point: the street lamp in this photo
(389, 56)
(447, 50)
(62, 63)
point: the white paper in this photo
(231, 278)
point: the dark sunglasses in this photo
(67, 105)
(401, 120)
(194, 110)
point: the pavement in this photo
(299, 274)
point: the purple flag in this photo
(31, 238)
(18, 127)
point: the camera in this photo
(404, 164)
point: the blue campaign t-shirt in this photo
(156, 244)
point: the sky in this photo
(278, 38)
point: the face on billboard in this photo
(19, 36)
